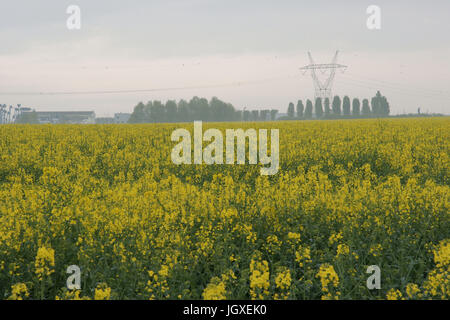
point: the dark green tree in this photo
(327, 107)
(204, 110)
(375, 104)
(255, 115)
(237, 115)
(171, 111)
(263, 114)
(366, 108)
(158, 112)
(148, 112)
(232, 113)
(218, 109)
(318, 108)
(336, 106)
(356, 107)
(138, 115)
(194, 110)
(346, 106)
(183, 111)
(300, 109)
(291, 111)
(246, 115)
(380, 105)
(273, 114)
(385, 108)
(308, 109)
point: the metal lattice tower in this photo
(323, 89)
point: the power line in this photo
(99, 92)
(365, 84)
(397, 85)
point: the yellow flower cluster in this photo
(19, 291)
(107, 198)
(283, 282)
(259, 279)
(329, 281)
(45, 261)
(437, 283)
(342, 250)
(102, 292)
(215, 290)
(442, 254)
(303, 256)
(394, 294)
(293, 236)
(413, 291)
(157, 285)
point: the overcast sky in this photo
(254, 48)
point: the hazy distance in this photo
(253, 48)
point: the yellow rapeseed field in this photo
(107, 198)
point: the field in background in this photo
(349, 194)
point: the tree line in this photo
(184, 111)
(217, 110)
(378, 107)
(195, 109)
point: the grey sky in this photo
(128, 45)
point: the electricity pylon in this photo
(323, 89)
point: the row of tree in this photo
(196, 109)
(217, 110)
(378, 106)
